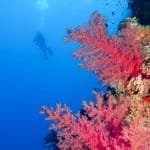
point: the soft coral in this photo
(101, 127)
(110, 58)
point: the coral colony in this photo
(120, 120)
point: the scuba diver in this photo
(39, 40)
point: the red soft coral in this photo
(110, 58)
(100, 127)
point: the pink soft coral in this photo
(101, 127)
(110, 58)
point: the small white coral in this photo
(136, 86)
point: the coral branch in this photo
(102, 127)
(110, 58)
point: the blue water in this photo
(27, 80)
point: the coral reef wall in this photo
(141, 10)
(120, 118)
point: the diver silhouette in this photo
(39, 40)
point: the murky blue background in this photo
(27, 80)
